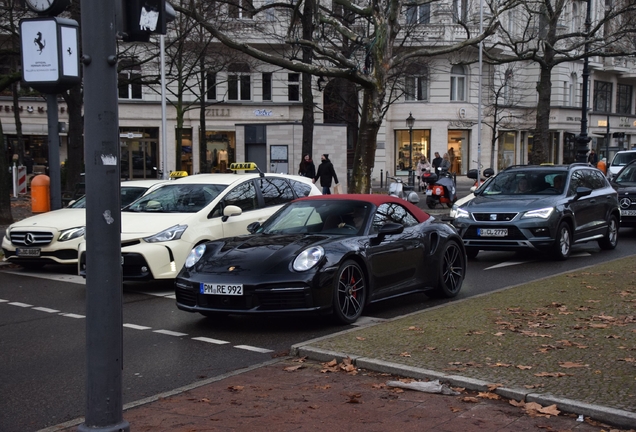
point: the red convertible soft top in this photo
(375, 199)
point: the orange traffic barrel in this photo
(40, 194)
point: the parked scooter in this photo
(440, 189)
(472, 174)
(397, 188)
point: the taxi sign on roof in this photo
(243, 166)
(178, 174)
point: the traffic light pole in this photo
(104, 321)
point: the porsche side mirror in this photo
(389, 228)
(231, 210)
(253, 227)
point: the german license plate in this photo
(221, 289)
(28, 252)
(628, 212)
(492, 232)
(429, 191)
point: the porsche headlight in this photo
(172, 233)
(543, 213)
(457, 212)
(308, 258)
(71, 233)
(195, 256)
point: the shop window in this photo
(508, 86)
(624, 99)
(460, 9)
(602, 96)
(239, 84)
(293, 87)
(129, 81)
(458, 83)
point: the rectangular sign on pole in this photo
(50, 53)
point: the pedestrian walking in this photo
(326, 174)
(592, 158)
(307, 167)
(437, 162)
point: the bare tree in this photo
(361, 44)
(552, 32)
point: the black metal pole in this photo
(55, 176)
(583, 140)
(411, 180)
(104, 338)
(609, 136)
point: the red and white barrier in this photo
(19, 180)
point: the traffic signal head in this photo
(141, 18)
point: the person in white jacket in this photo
(422, 166)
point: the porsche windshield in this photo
(530, 182)
(177, 198)
(319, 217)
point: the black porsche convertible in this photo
(325, 254)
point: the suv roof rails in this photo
(573, 164)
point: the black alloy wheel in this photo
(350, 292)
(452, 271)
(610, 241)
(563, 243)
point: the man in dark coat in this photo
(326, 173)
(437, 162)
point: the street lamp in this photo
(410, 121)
(583, 140)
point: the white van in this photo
(621, 159)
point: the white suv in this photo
(621, 159)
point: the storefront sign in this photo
(217, 112)
(263, 113)
(460, 124)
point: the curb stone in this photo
(612, 416)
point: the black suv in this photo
(541, 207)
(625, 184)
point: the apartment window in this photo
(602, 96)
(239, 82)
(211, 86)
(624, 99)
(507, 88)
(418, 14)
(240, 9)
(460, 8)
(129, 81)
(293, 87)
(416, 83)
(571, 94)
(458, 83)
(267, 86)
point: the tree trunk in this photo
(365, 151)
(6, 217)
(540, 146)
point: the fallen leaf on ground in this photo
(488, 395)
(354, 398)
(493, 387)
(235, 388)
(470, 399)
(552, 374)
(360, 338)
(413, 328)
(454, 409)
(517, 404)
(569, 365)
(523, 367)
(293, 368)
(405, 354)
(325, 387)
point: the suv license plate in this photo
(221, 289)
(492, 232)
(28, 252)
(628, 212)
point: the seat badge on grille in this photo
(231, 268)
(493, 217)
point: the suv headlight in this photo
(458, 212)
(172, 233)
(308, 258)
(540, 213)
(71, 233)
(7, 234)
